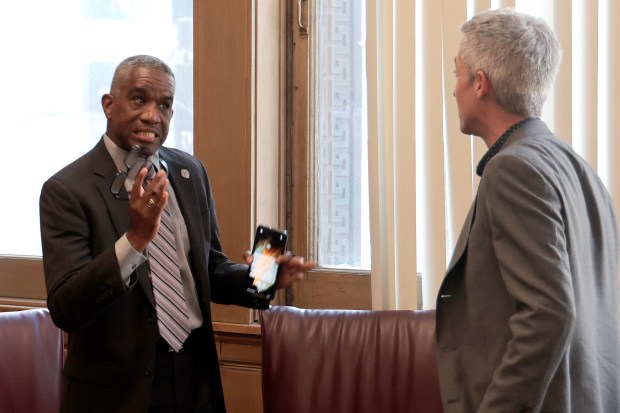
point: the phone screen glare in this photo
(264, 268)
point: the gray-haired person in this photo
(527, 315)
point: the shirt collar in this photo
(494, 149)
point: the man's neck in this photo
(497, 124)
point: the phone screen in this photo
(269, 244)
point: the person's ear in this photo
(482, 83)
(106, 103)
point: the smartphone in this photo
(263, 273)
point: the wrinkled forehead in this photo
(145, 78)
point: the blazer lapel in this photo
(104, 168)
(184, 186)
(531, 128)
(117, 206)
(461, 244)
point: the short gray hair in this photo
(519, 54)
(133, 62)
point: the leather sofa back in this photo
(345, 361)
(31, 361)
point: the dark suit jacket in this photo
(527, 315)
(112, 328)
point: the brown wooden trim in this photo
(251, 329)
(7, 304)
(300, 151)
(22, 277)
(333, 289)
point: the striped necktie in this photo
(172, 315)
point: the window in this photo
(328, 200)
(62, 62)
(339, 130)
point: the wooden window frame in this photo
(323, 287)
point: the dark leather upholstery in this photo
(31, 360)
(349, 361)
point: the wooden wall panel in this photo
(331, 289)
(239, 349)
(22, 284)
(222, 113)
(222, 122)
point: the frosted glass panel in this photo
(343, 226)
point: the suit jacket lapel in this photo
(182, 183)
(104, 168)
(184, 187)
(461, 244)
(117, 206)
(534, 127)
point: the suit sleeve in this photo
(79, 286)
(528, 238)
(228, 280)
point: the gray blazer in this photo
(527, 315)
(112, 328)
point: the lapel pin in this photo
(185, 173)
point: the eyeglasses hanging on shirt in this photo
(134, 161)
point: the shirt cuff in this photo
(128, 258)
